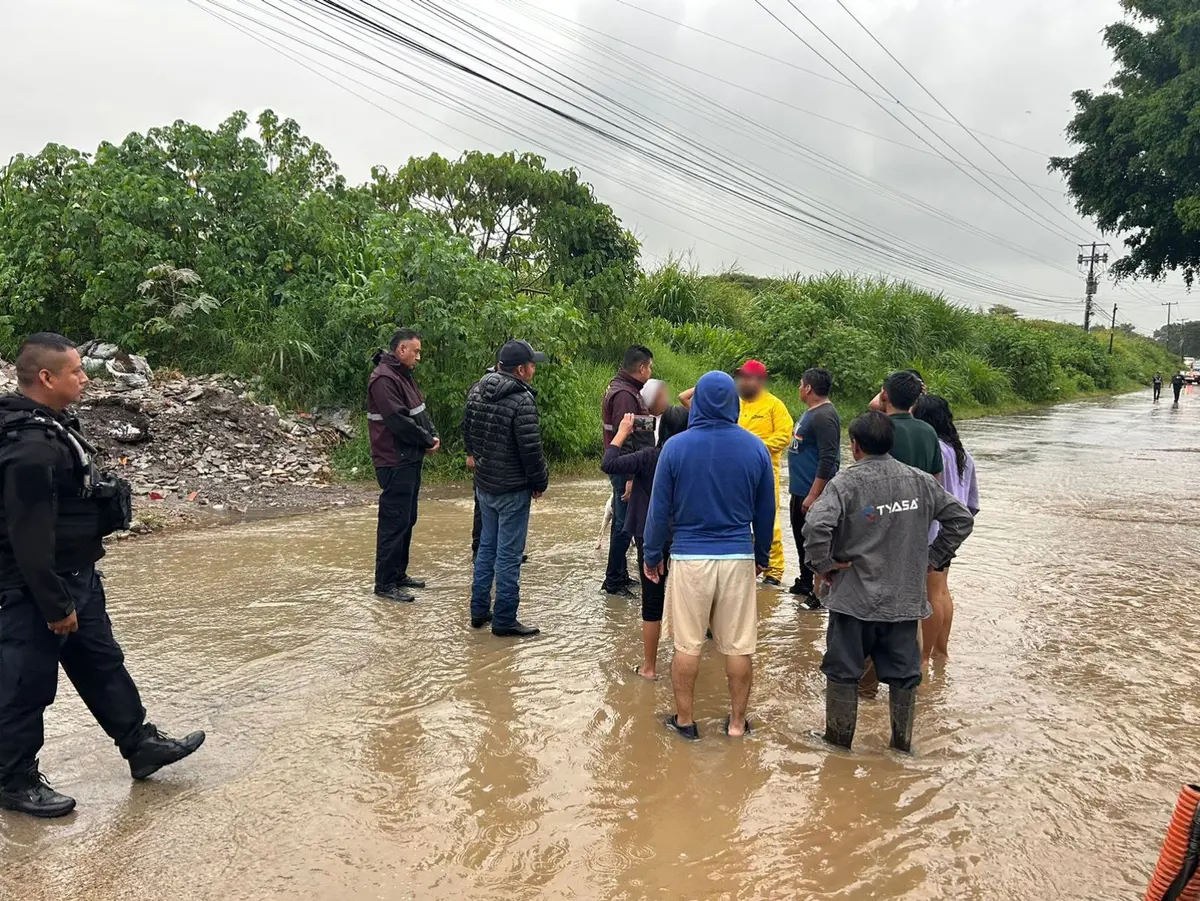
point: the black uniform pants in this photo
(796, 514)
(894, 647)
(29, 658)
(397, 515)
(1157, 390)
(1176, 389)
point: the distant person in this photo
(867, 537)
(765, 415)
(813, 459)
(510, 472)
(1177, 381)
(56, 508)
(624, 396)
(958, 477)
(402, 435)
(713, 498)
(641, 466)
(1158, 382)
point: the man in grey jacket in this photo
(867, 537)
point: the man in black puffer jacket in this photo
(503, 434)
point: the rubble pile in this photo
(202, 442)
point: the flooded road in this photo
(359, 750)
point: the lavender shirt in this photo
(963, 487)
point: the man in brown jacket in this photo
(402, 436)
(624, 395)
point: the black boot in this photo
(154, 750)
(30, 793)
(903, 702)
(841, 713)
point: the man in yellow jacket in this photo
(766, 416)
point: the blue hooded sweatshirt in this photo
(714, 484)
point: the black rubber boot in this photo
(155, 750)
(31, 794)
(903, 702)
(841, 713)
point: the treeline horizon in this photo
(242, 249)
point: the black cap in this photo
(518, 353)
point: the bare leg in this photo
(650, 635)
(683, 679)
(740, 672)
(943, 642)
(935, 630)
(931, 627)
(868, 685)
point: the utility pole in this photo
(1173, 303)
(1112, 331)
(1091, 258)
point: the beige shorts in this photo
(716, 594)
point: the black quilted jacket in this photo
(502, 432)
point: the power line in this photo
(947, 111)
(824, 77)
(939, 271)
(1029, 213)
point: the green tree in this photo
(545, 225)
(1182, 337)
(1138, 171)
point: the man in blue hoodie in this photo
(714, 499)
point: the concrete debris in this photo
(203, 441)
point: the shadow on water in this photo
(360, 750)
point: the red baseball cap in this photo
(753, 368)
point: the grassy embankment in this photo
(985, 364)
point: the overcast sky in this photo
(801, 171)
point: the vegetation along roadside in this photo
(299, 276)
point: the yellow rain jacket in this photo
(767, 417)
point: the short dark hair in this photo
(400, 335)
(874, 433)
(903, 388)
(635, 356)
(819, 380)
(34, 353)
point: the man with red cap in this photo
(765, 415)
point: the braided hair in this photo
(936, 411)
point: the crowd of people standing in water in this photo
(696, 490)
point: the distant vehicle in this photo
(1191, 376)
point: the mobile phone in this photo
(643, 423)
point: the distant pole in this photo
(1112, 331)
(1173, 303)
(1091, 258)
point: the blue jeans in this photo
(617, 571)
(505, 521)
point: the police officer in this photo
(55, 508)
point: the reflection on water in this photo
(360, 750)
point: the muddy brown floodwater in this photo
(364, 751)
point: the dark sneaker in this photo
(397, 595)
(31, 794)
(618, 591)
(157, 750)
(628, 581)
(810, 602)
(516, 630)
(772, 581)
(690, 732)
(524, 559)
(478, 622)
(799, 589)
(410, 582)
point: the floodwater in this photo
(359, 750)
